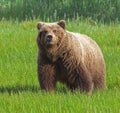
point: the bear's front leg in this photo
(46, 77)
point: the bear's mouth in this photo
(49, 41)
(48, 44)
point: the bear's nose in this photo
(49, 38)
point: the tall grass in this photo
(19, 88)
(98, 10)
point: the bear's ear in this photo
(61, 23)
(39, 25)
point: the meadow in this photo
(19, 88)
(98, 10)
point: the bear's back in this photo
(87, 52)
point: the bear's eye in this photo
(55, 31)
(44, 32)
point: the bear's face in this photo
(50, 34)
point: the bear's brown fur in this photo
(71, 58)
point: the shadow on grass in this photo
(27, 88)
(18, 89)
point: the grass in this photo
(98, 10)
(19, 88)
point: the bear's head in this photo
(50, 34)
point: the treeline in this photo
(98, 10)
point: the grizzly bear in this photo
(70, 58)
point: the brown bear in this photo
(71, 58)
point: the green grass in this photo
(19, 88)
(98, 10)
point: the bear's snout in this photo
(49, 38)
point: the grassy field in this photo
(98, 10)
(19, 88)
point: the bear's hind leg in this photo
(86, 86)
(99, 82)
(82, 84)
